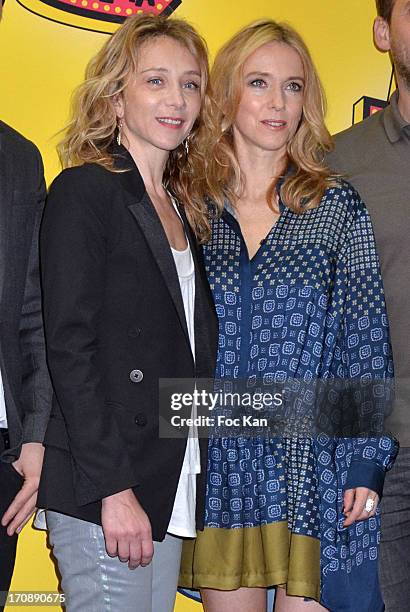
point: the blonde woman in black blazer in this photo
(115, 320)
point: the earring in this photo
(119, 128)
(186, 145)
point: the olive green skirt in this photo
(263, 556)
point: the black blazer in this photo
(113, 309)
(27, 387)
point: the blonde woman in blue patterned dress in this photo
(296, 283)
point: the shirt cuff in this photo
(366, 474)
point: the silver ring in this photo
(369, 504)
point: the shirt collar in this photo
(394, 124)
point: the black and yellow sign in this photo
(97, 15)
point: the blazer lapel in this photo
(205, 319)
(150, 224)
(143, 211)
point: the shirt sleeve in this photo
(366, 358)
(36, 391)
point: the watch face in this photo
(97, 15)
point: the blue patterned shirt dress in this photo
(309, 305)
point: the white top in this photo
(182, 521)
(3, 414)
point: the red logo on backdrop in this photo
(97, 15)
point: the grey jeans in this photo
(395, 542)
(94, 582)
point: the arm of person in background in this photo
(74, 254)
(36, 385)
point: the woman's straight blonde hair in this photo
(90, 133)
(221, 177)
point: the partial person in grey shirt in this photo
(25, 388)
(374, 155)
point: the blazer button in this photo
(140, 419)
(136, 376)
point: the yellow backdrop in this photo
(41, 61)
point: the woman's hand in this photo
(127, 529)
(354, 505)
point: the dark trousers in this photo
(395, 543)
(10, 484)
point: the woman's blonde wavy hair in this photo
(221, 177)
(92, 129)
